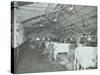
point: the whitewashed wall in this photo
(18, 31)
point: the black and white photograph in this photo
(53, 37)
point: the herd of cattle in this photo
(78, 55)
(85, 57)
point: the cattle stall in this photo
(48, 37)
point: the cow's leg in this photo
(55, 55)
(83, 68)
(75, 61)
(50, 56)
(75, 64)
(78, 66)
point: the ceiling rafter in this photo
(76, 19)
(63, 27)
(72, 14)
(25, 21)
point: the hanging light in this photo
(55, 20)
(48, 38)
(37, 39)
(89, 39)
(71, 8)
(71, 39)
(43, 38)
(41, 25)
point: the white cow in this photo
(49, 49)
(45, 51)
(85, 57)
(61, 48)
(58, 48)
(47, 45)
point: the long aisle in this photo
(31, 60)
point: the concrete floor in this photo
(31, 60)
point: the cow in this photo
(49, 49)
(85, 57)
(54, 48)
(61, 48)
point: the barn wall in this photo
(17, 31)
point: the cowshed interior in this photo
(34, 24)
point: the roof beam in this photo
(25, 21)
